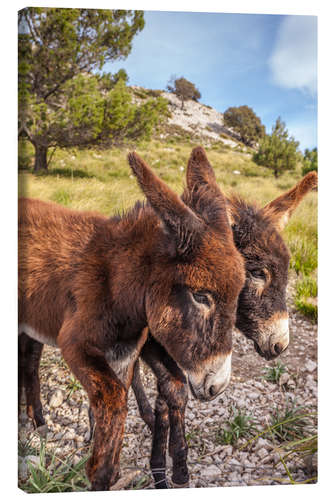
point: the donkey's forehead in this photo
(271, 242)
(216, 263)
(269, 250)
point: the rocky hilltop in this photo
(199, 119)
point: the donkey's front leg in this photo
(169, 410)
(159, 445)
(130, 374)
(145, 410)
(108, 400)
(173, 388)
(178, 448)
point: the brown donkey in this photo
(261, 316)
(92, 285)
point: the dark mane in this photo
(203, 201)
(140, 217)
(249, 223)
(130, 215)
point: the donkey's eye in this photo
(201, 298)
(258, 273)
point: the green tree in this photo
(310, 161)
(246, 123)
(108, 81)
(277, 151)
(184, 89)
(58, 49)
(125, 120)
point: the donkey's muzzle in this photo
(274, 338)
(212, 380)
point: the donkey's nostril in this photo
(278, 348)
(213, 390)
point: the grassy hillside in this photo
(102, 181)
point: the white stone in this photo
(212, 472)
(23, 470)
(261, 443)
(56, 399)
(284, 379)
(262, 453)
(310, 365)
(228, 450)
(33, 459)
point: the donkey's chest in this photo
(121, 358)
(36, 334)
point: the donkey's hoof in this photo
(162, 485)
(183, 485)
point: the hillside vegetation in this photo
(101, 180)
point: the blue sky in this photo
(268, 62)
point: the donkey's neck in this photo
(119, 258)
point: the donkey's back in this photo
(52, 242)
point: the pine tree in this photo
(277, 151)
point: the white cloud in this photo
(294, 59)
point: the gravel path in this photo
(210, 463)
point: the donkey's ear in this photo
(203, 193)
(281, 209)
(199, 170)
(179, 219)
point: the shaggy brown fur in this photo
(261, 305)
(92, 285)
(260, 313)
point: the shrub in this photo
(273, 373)
(62, 196)
(125, 121)
(246, 123)
(289, 423)
(239, 426)
(310, 161)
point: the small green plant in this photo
(192, 437)
(285, 185)
(54, 475)
(273, 373)
(239, 426)
(25, 447)
(142, 483)
(304, 449)
(308, 309)
(306, 297)
(292, 421)
(62, 196)
(288, 423)
(73, 385)
(304, 254)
